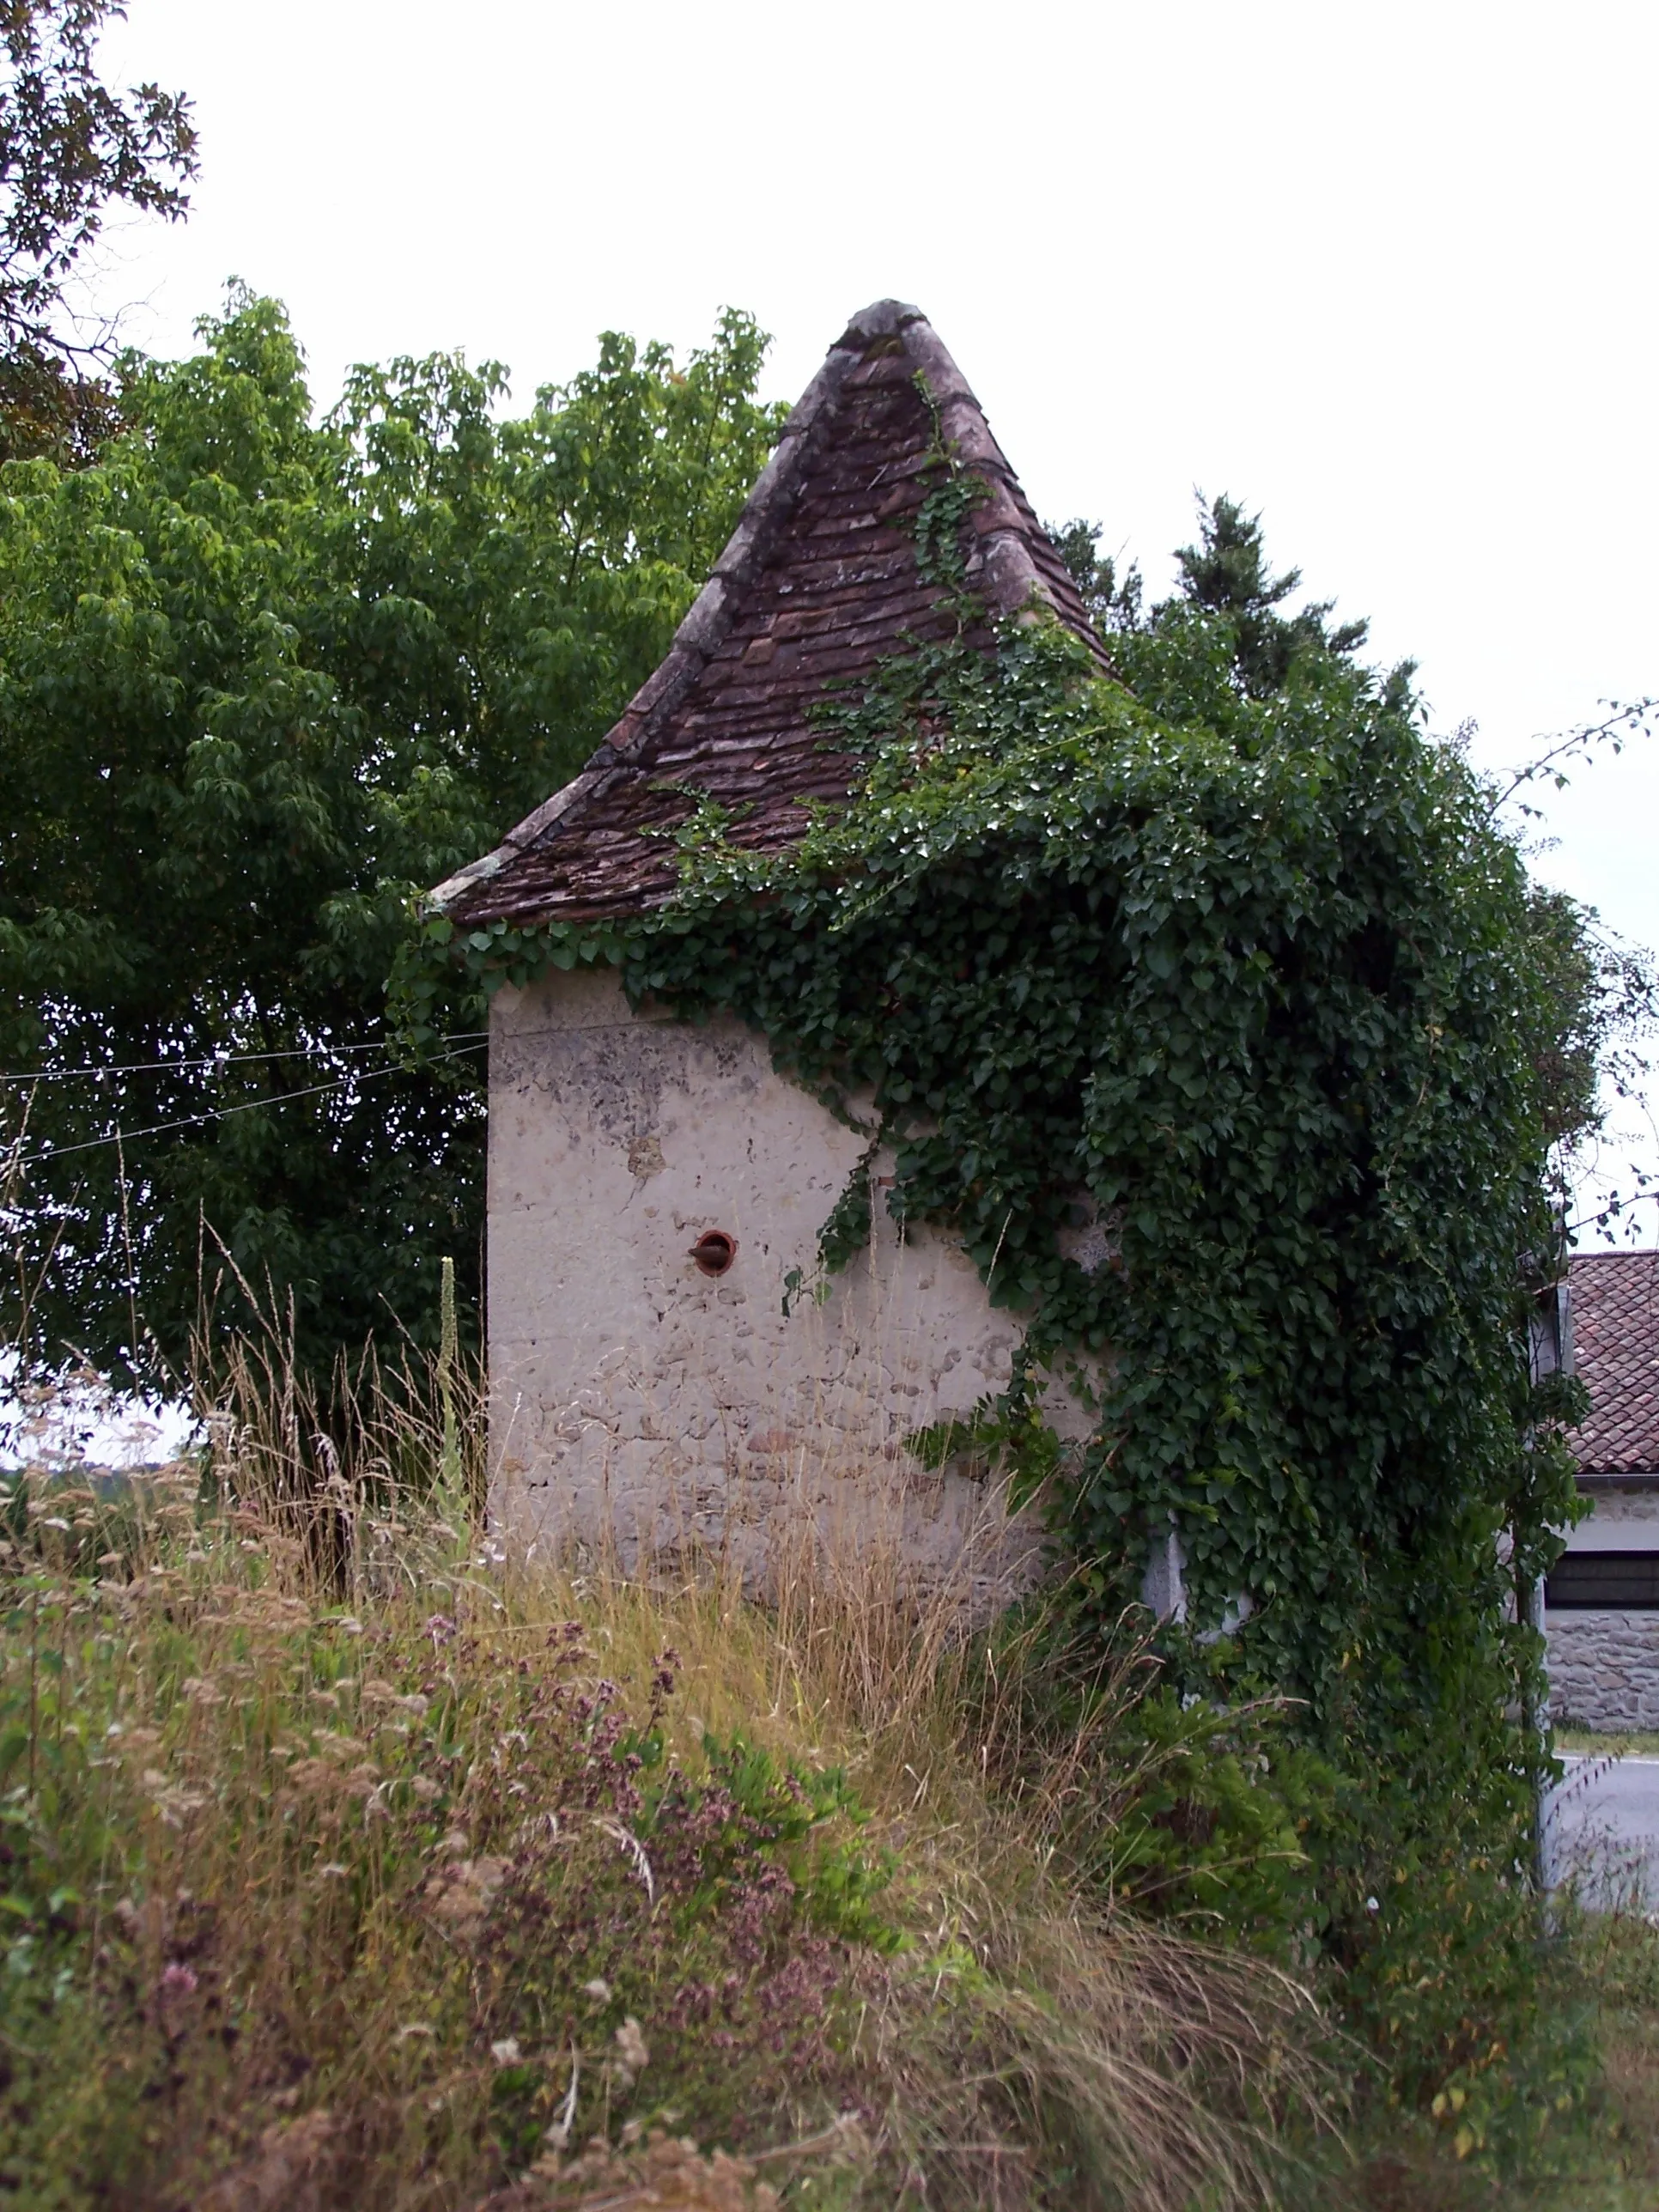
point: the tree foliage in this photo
(70, 150)
(262, 679)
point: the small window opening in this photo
(1603, 1582)
(715, 1251)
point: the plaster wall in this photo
(635, 1400)
(1604, 1667)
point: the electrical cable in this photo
(217, 1113)
(218, 1060)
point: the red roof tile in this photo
(1615, 1335)
(818, 584)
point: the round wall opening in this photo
(715, 1251)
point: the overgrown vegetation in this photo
(1228, 958)
(345, 1862)
(1244, 971)
(337, 1854)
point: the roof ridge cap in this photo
(1002, 569)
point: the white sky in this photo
(1386, 272)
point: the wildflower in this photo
(177, 1980)
(631, 2050)
(461, 1895)
(597, 1990)
(332, 1872)
(506, 2051)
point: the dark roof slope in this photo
(819, 583)
(1615, 1334)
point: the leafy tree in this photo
(1113, 603)
(262, 679)
(70, 149)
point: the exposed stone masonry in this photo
(1604, 1669)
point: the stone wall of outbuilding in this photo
(637, 1402)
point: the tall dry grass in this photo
(355, 1862)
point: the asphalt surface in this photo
(1601, 1830)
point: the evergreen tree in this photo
(1226, 574)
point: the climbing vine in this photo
(1242, 983)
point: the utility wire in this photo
(216, 1113)
(218, 1060)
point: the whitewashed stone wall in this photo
(637, 1400)
(1604, 1667)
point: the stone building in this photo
(654, 1185)
(1602, 1602)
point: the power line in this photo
(218, 1060)
(216, 1113)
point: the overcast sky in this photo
(1385, 272)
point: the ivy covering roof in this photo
(1615, 1329)
(818, 584)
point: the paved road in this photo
(1602, 1829)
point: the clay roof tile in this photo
(817, 585)
(1615, 1330)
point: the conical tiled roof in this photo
(818, 584)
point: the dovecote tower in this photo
(653, 1184)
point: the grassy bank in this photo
(339, 1857)
(347, 1863)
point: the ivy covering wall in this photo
(1229, 958)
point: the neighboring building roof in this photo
(1615, 1335)
(818, 584)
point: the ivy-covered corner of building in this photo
(1227, 950)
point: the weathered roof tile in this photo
(1615, 1329)
(817, 585)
